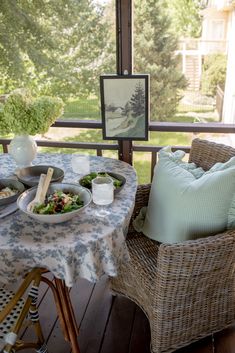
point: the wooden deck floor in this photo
(112, 324)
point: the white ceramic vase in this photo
(23, 149)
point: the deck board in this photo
(205, 345)
(120, 321)
(225, 340)
(94, 322)
(110, 324)
(140, 333)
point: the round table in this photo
(86, 246)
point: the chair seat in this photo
(10, 320)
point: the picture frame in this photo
(125, 106)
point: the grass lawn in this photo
(183, 108)
(82, 109)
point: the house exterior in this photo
(219, 27)
(218, 36)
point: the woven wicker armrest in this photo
(195, 270)
(194, 290)
(193, 257)
(141, 200)
(206, 153)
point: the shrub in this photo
(214, 73)
(22, 114)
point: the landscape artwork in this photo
(125, 106)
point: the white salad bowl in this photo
(26, 197)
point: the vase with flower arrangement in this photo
(26, 116)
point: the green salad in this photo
(59, 202)
(87, 179)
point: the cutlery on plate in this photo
(37, 198)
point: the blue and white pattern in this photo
(85, 246)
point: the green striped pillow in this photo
(187, 203)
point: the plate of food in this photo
(30, 175)
(118, 180)
(63, 201)
(10, 189)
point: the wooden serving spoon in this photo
(46, 184)
(42, 188)
(37, 198)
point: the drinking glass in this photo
(102, 194)
(80, 164)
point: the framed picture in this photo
(125, 107)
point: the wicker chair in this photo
(13, 311)
(187, 289)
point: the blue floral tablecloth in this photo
(86, 246)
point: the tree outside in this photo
(55, 47)
(185, 17)
(154, 53)
(61, 48)
(214, 73)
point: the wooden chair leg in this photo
(59, 307)
(68, 315)
(65, 311)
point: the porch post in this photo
(229, 93)
(124, 59)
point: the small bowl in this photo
(114, 175)
(27, 196)
(30, 175)
(15, 184)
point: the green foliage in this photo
(155, 47)
(24, 115)
(186, 19)
(45, 110)
(214, 73)
(54, 47)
